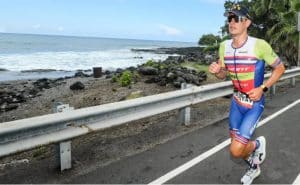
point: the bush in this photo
(114, 78)
(157, 65)
(125, 79)
(149, 63)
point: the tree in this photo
(279, 20)
(209, 40)
(283, 34)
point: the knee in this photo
(237, 150)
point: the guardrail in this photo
(61, 127)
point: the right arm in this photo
(217, 70)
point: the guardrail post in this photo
(273, 90)
(293, 81)
(185, 113)
(65, 155)
(64, 148)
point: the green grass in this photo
(195, 66)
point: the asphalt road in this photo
(282, 165)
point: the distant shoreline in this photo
(96, 37)
(33, 74)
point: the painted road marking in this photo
(212, 151)
(297, 180)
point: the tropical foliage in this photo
(276, 22)
(209, 40)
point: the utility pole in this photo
(299, 39)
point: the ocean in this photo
(66, 54)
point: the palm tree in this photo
(283, 34)
(279, 20)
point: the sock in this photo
(251, 164)
(257, 144)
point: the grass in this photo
(202, 67)
(195, 66)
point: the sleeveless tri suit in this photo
(246, 67)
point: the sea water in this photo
(66, 54)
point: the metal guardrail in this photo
(21, 135)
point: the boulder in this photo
(148, 70)
(77, 86)
(43, 83)
(80, 74)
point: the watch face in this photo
(265, 89)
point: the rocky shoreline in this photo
(168, 75)
(28, 98)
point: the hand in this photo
(214, 68)
(255, 94)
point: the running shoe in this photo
(250, 175)
(260, 153)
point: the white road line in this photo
(297, 180)
(212, 151)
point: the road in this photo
(281, 166)
(181, 161)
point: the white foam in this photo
(70, 61)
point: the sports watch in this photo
(264, 88)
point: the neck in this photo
(239, 40)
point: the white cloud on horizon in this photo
(170, 31)
(60, 29)
(2, 29)
(37, 26)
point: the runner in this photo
(243, 58)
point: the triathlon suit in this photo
(246, 66)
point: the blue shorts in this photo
(243, 120)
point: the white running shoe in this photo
(260, 153)
(250, 175)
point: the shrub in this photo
(150, 63)
(125, 79)
(114, 78)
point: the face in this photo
(237, 24)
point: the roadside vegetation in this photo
(274, 21)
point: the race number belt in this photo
(243, 99)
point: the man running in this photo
(243, 58)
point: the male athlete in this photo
(243, 58)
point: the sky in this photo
(169, 20)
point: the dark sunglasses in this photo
(235, 18)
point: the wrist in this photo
(264, 88)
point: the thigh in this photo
(235, 116)
(250, 120)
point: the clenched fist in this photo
(214, 68)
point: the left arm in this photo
(256, 93)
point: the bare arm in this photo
(275, 76)
(255, 94)
(217, 70)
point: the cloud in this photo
(60, 28)
(170, 30)
(2, 29)
(37, 26)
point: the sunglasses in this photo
(235, 18)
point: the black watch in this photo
(264, 88)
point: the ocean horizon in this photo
(67, 54)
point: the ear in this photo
(248, 23)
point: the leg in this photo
(235, 118)
(241, 147)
